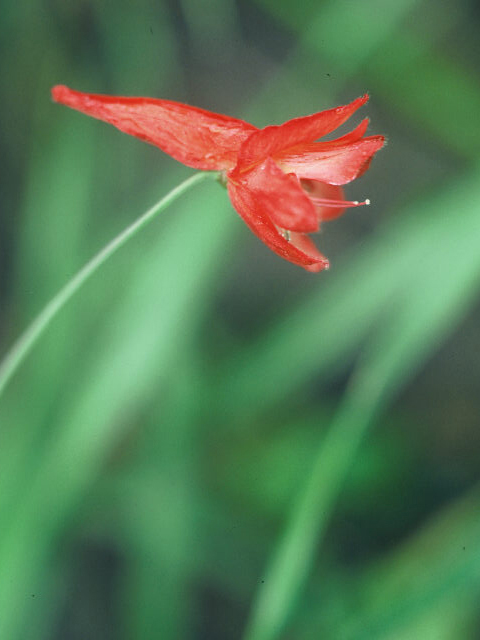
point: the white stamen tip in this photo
(367, 201)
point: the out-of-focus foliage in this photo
(210, 442)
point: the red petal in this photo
(325, 191)
(300, 250)
(198, 138)
(327, 162)
(353, 136)
(272, 140)
(305, 244)
(279, 196)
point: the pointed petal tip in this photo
(58, 91)
(316, 267)
(359, 102)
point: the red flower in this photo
(280, 180)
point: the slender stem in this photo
(22, 347)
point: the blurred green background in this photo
(211, 443)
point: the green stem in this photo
(27, 341)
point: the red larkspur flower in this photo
(281, 181)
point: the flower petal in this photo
(274, 139)
(306, 245)
(197, 138)
(352, 136)
(300, 249)
(330, 163)
(280, 196)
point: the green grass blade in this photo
(426, 310)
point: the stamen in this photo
(325, 202)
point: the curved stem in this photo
(29, 338)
